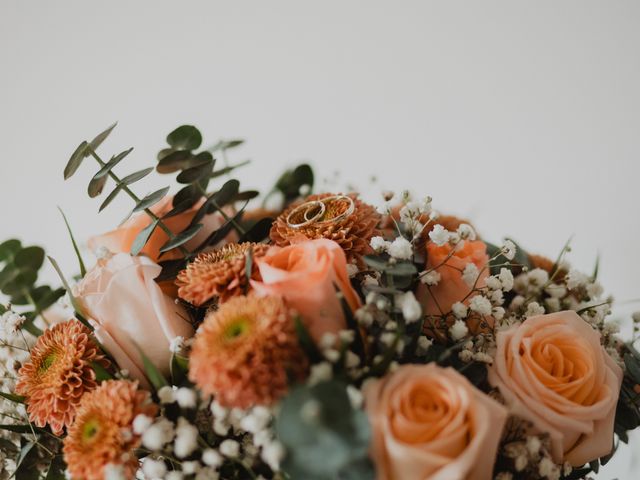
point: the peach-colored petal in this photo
(553, 372)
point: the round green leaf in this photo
(30, 258)
(185, 137)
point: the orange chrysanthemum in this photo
(58, 373)
(246, 352)
(221, 273)
(102, 433)
(352, 233)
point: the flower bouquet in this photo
(314, 337)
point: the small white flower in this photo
(439, 235)
(466, 232)
(212, 458)
(481, 305)
(174, 475)
(494, 283)
(556, 291)
(506, 278)
(594, 290)
(576, 279)
(141, 423)
(534, 309)
(538, 277)
(332, 355)
(355, 397)
(424, 344)
(328, 340)
(352, 360)
(186, 440)
(553, 304)
(548, 469)
(272, 454)
(465, 355)
(498, 313)
(432, 278)
(400, 249)
(320, 372)
(533, 445)
(230, 448)
(509, 249)
(411, 309)
(387, 338)
(153, 469)
(166, 395)
(347, 336)
(177, 344)
(459, 309)
(186, 397)
(352, 270)
(378, 244)
(497, 297)
(158, 434)
(470, 274)
(189, 468)
(114, 471)
(458, 330)
(635, 316)
(11, 321)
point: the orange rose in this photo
(121, 239)
(305, 275)
(128, 310)
(429, 422)
(438, 299)
(553, 372)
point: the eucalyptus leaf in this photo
(30, 258)
(142, 238)
(110, 198)
(170, 269)
(151, 199)
(174, 161)
(185, 137)
(96, 186)
(9, 248)
(217, 200)
(136, 176)
(229, 169)
(192, 174)
(101, 137)
(181, 238)
(75, 160)
(259, 231)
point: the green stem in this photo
(35, 305)
(227, 218)
(135, 198)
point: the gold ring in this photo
(306, 207)
(347, 213)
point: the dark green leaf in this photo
(142, 238)
(83, 270)
(56, 469)
(189, 195)
(19, 283)
(110, 198)
(174, 161)
(226, 144)
(30, 258)
(633, 367)
(8, 249)
(181, 238)
(153, 374)
(151, 199)
(220, 233)
(246, 195)
(49, 299)
(401, 269)
(170, 269)
(185, 137)
(259, 231)
(196, 172)
(217, 200)
(26, 428)
(12, 397)
(8, 447)
(229, 169)
(96, 185)
(104, 171)
(27, 461)
(102, 373)
(292, 181)
(136, 176)
(101, 137)
(75, 160)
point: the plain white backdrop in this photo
(522, 116)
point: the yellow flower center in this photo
(90, 430)
(236, 329)
(46, 363)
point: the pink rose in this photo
(553, 372)
(121, 239)
(306, 275)
(127, 308)
(438, 299)
(430, 423)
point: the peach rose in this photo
(553, 372)
(429, 422)
(127, 308)
(121, 239)
(305, 275)
(438, 299)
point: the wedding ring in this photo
(305, 210)
(347, 213)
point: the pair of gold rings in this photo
(311, 212)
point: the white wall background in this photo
(523, 116)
